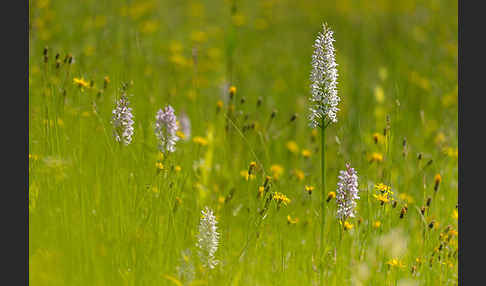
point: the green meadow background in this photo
(101, 213)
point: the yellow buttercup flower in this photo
(377, 224)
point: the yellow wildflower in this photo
(280, 198)
(407, 198)
(159, 166)
(290, 220)
(309, 189)
(348, 225)
(180, 134)
(376, 157)
(451, 152)
(299, 174)
(155, 189)
(219, 105)
(377, 224)
(200, 140)
(330, 196)
(221, 199)
(276, 171)
(34, 157)
(177, 168)
(252, 167)
(246, 175)
(260, 191)
(232, 90)
(455, 214)
(379, 94)
(81, 82)
(383, 198)
(395, 263)
(292, 147)
(383, 188)
(437, 181)
(306, 153)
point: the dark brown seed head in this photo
(294, 116)
(274, 113)
(403, 212)
(259, 101)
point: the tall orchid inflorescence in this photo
(323, 78)
(208, 238)
(347, 193)
(122, 120)
(166, 128)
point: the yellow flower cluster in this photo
(385, 194)
(394, 262)
(280, 198)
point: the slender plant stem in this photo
(323, 192)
